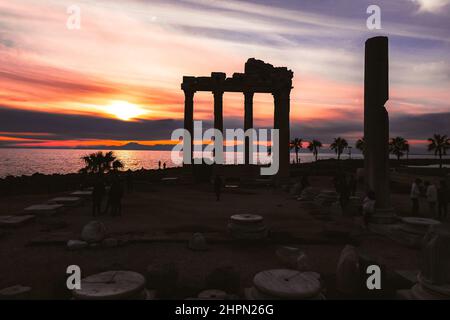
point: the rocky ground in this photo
(157, 223)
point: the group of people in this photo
(436, 197)
(114, 198)
(159, 165)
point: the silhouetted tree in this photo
(314, 147)
(361, 145)
(99, 163)
(398, 146)
(296, 144)
(338, 145)
(439, 144)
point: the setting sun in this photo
(124, 110)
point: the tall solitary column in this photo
(218, 117)
(248, 123)
(281, 122)
(376, 126)
(188, 142)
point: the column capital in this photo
(188, 92)
(218, 92)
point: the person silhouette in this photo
(97, 197)
(164, 166)
(115, 197)
(442, 200)
(159, 165)
(218, 187)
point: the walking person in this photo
(431, 195)
(415, 194)
(442, 200)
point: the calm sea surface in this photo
(18, 162)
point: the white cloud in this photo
(432, 6)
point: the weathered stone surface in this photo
(288, 284)
(294, 258)
(15, 221)
(94, 231)
(197, 242)
(110, 285)
(376, 127)
(17, 292)
(435, 256)
(247, 227)
(67, 201)
(348, 271)
(44, 209)
(212, 294)
(76, 244)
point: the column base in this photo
(384, 216)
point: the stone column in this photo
(189, 121)
(248, 123)
(218, 115)
(281, 122)
(376, 126)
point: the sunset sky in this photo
(117, 79)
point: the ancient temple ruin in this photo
(376, 126)
(258, 77)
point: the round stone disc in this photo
(212, 294)
(246, 218)
(247, 227)
(439, 289)
(420, 221)
(288, 284)
(110, 285)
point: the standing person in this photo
(415, 194)
(368, 207)
(159, 165)
(164, 166)
(431, 194)
(352, 184)
(442, 200)
(218, 186)
(97, 197)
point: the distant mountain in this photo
(128, 146)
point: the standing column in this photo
(248, 124)
(376, 127)
(188, 142)
(218, 119)
(281, 122)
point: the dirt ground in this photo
(178, 211)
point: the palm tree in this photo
(99, 163)
(439, 144)
(296, 144)
(361, 145)
(314, 147)
(398, 146)
(338, 146)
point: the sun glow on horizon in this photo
(125, 110)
